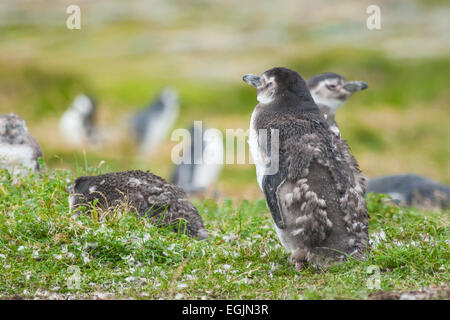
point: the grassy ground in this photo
(44, 250)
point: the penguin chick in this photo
(152, 124)
(145, 193)
(412, 190)
(316, 197)
(19, 151)
(330, 91)
(204, 161)
(77, 124)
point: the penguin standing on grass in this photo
(77, 125)
(316, 197)
(152, 124)
(204, 162)
(330, 91)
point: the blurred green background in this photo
(126, 51)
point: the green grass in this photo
(41, 245)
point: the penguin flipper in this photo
(270, 184)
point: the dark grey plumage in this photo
(154, 122)
(317, 196)
(145, 193)
(412, 190)
(330, 91)
(19, 151)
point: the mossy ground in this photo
(44, 250)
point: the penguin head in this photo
(332, 90)
(277, 82)
(12, 128)
(83, 105)
(169, 97)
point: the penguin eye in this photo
(267, 85)
(331, 87)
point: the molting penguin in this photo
(143, 192)
(330, 91)
(77, 124)
(203, 164)
(412, 190)
(152, 124)
(316, 197)
(19, 151)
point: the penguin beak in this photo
(252, 80)
(353, 86)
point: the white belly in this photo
(208, 171)
(71, 127)
(157, 129)
(17, 158)
(255, 150)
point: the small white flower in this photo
(20, 248)
(129, 279)
(226, 266)
(57, 256)
(377, 238)
(85, 257)
(182, 285)
(179, 296)
(2, 256)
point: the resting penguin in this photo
(316, 197)
(77, 124)
(412, 190)
(330, 91)
(203, 165)
(143, 192)
(19, 151)
(152, 124)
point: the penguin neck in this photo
(296, 102)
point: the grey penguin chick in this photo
(152, 124)
(145, 193)
(330, 91)
(204, 161)
(412, 190)
(316, 197)
(77, 124)
(19, 151)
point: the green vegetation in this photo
(124, 56)
(42, 247)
